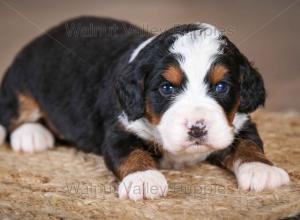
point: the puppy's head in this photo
(185, 86)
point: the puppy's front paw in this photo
(31, 137)
(256, 176)
(148, 184)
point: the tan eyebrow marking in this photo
(174, 75)
(218, 73)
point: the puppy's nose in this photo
(197, 131)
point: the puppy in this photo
(143, 101)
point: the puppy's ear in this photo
(252, 87)
(129, 87)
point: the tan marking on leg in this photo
(246, 151)
(138, 160)
(28, 111)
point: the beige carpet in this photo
(65, 184)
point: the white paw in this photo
(31, 137)
(256, 176)
(148, 184)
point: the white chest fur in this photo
(171, 161)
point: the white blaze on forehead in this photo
(197, 50)
(139, 48)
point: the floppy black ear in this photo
(130, 91)
(252, 87)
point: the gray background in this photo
(267, 32)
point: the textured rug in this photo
(67, 184)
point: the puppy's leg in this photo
(19, 116)
(246, 159)
(128, 157)
(252, 170)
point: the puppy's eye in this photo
(221, 87)
(167, 89)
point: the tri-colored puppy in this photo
(141, 101)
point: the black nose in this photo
(197, 132)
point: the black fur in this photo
(252, 89)
(253, 92)
(71, 79)
(84, 83)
